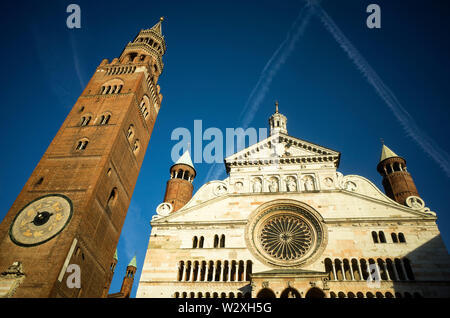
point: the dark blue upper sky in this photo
(216, 51)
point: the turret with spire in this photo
(397, 181)
(277, 122)
(179, 188)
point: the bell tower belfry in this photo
(179, 188)
(397, 181)
(70, 213)
(277, 122)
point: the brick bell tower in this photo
(179, 188)
(72, 208)
(397, 181)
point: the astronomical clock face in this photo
(41, 220)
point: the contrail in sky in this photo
(406, 120)
(76, 60)
(274, 64)
(268, 73)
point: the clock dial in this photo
(41, 220)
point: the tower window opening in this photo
(136, 147)
(222, 241)
(82, 144)
(401, 238)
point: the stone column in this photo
(360, 271)
(334, 270)
(342, 270)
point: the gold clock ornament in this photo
(41, 220)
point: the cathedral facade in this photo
(287, 223)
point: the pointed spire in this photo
(276, 107)
(115, 256)
(133, 262)
(158, 27)
(185, 159)
(387, 153)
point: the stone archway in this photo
(265, 293)
(315, 293)
(290, 293)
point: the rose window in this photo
(286, 237)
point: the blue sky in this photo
(216, 52)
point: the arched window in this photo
(136, 147)
(112, 197)
(408, 269)
(85, 120)
(375, 237)
(210, 271)
(177, 295)
(82, 144)
(130, 133)
(347, 269)
(394, 238)
(241, 271)
(195, 272)
(203, 271)
(216, 241)
(233, 271)
(382, 237)
(338, 268)
(194, 242)
(222, 240)
(218, 270)
(329, 269)
(355, 269)
(104, 119)
(249, 270)
(200, 242)
(180, 271)
(401, 238)
(399, 269)
(113, 86)
(188, 271)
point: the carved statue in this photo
(257, 186)
(291, 184)
(273, 185)
(309, 183)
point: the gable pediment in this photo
(283, 149)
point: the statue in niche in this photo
(309, 183)
(257, 186)
(273, 185)
(291, 185)
(238, 186)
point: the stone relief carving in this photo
(415, 202)
(328, 182)
(238, 186)
(220, 189)
(308, 183)
(291, 184)
(164, 209)
(350, 186)
(257, 185)
(273, 184)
